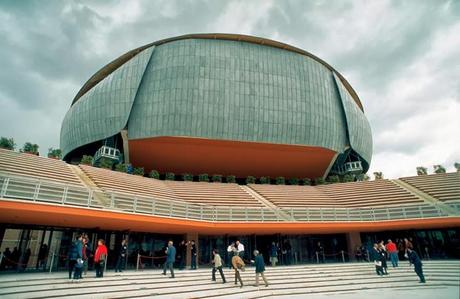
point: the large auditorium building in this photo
(230, 105)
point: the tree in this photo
(306, 181)
(422, 170)
(347, 178)
(216, 178)
(170, 176)
(86, 160)
(138, 171)
(333, 179)
(457, 166)
(363, 177)
(264, 180)
(154, 174)
(319, 181)
(378, 175)
(54, 153)
(121, 167)
(203, 177)
(188, 177)
(230, 179)
(439, 169)
(30, 148)
(293, 181)
(250, 179)
(7, 143)
(105, 163)
(280, 180)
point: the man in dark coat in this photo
(376, 258)
(260, 267)
(194, 255)
(415, 260)
(170, 259)
(75, 256)
(181, 254)
(122, 254)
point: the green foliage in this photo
(154, 174)
(363, 177)
(439, 169)
(422, 170)
(293, 181)
(217, 178)
(280, 180)
(170, 176)
(54, 153)
(347, 178)
(105, 163)
(86, 160)
(7, 143)
(264, 180)
(30, 148)
(230, 179)
(121, 167)
(203, 177)
(319, 181)
(250, 179)
(378, 175)
(457, 166)
(333, 179)
(188, 177)
(306, 181)
(138, 171)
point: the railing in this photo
(13, 187)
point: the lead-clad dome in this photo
(221, 103)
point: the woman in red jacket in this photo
(100, 257)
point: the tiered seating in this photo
(294, 196)
(109, 180)
(369, 194)
(443, 186)
(22, 164)
(212, 193)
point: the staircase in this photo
(267, 203)
(99, 195)
(443, 277)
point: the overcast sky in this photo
(402, 58)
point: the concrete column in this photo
(353, 241)
(124, 137)
(188, 238)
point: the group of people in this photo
(15, 260)
(381, 252)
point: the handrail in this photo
(14, 187)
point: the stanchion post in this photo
(138, 260)
(343, 257)
(105, 264)
(317, 257)
(1, 257)
(324, 258)
(368, 256)
(52, 262)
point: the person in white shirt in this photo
(238, 246)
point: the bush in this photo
(121, 167)
(203, 177)
(231, 179)
(264, 180)
(54, 153)
(138, 171)
(217, 178)
(7, 143)
(250, 180)
(293, 181)
(333, 179)
(187, 177)
(170, 176)
(106, 163)
(30, 148)
(280, 180)
(306, 181)
(86, 160)
(319, 181)
(347, 178)
(154, 174)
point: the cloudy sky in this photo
(402, 58)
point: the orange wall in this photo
(15, 212)
(197, 155)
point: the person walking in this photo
(393, 253)
(194, 255)
(238, 265)
(86, 253)
(383, 257)
(170, 259)
(217, 266)
(260, 268)
(376, 258)
(122, 254)
(100, 258)
(273, 254)
(415, 260)
(230, 250)
(74, 255)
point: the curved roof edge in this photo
(112, 66)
